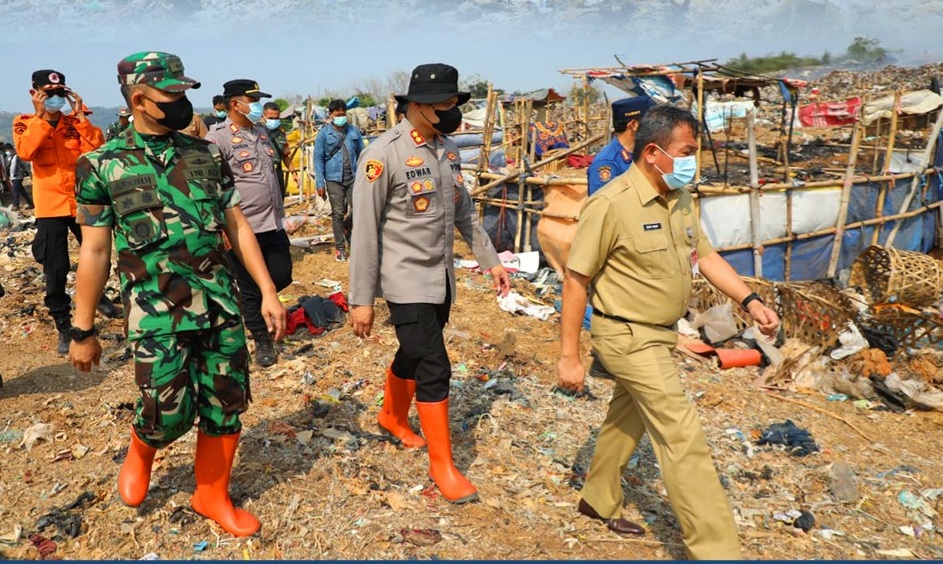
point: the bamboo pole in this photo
(787, 272)
(520, 214)
(529, 111)
(527, 235)
(754, 198)
(924, 161)
(888, 155)
(390, 111)
(845, 199)
(513, 175)
(877, 138)
(586, 105)
(485, 153)
(700, 121)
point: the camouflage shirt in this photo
(115, 130)
(164, 199)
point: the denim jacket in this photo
(325, 144)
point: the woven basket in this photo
(912, 328)
(705, 296)
(886, 275)
(814, 312)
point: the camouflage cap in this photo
(154, 68)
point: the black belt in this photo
(598, 313)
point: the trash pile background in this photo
(327, 484)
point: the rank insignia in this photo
(271, 152)
(233, 127)
(373, 169)
(244, 154)
(605, 173)
(416, 186)
(417, 138)
(421, 203)
(236, 140)
(451, 156)
(414, 161)
(429, 185)
(459, 179)
(626, 155)
(247, 167)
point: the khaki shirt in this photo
(638, 249)
(409, 196)
(253, 161)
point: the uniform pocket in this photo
(654, 260)
(39, 247)
(422, 196)
(141, 214)
(210, 212)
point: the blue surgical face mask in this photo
(221, 114)
(340, 121)
(682, 171)
(273, 123)
(255, 111)
(54, 103)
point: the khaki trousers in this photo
(648, 397)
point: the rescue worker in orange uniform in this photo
(53, 142)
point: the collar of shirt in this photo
(245, 132)
(643, 188)
(413, 134)
(133, 140)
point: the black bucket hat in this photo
(433, 83)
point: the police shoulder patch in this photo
(605, 173)
(414, 160)
(451, 156)
(373, 169)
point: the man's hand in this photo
(321, 192)
(570, 374)
(766, 319)
(75, 102)
(361, 319)
(85, 353)
(502, 282)
(273, 312)
(39, 99)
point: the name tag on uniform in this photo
(651, 226)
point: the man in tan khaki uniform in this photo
(639, 244)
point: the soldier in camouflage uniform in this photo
(115, 129)
(169, 198)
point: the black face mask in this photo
(177, 114)
(449, 120)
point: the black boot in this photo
(264, 351)
(62, 326)
(107, 308)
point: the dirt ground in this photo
(325, 484)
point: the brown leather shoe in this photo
(621, 526)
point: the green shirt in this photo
(164, 199)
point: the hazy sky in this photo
(311, 46)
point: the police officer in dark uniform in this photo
(615, 158)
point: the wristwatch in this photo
(77, 334)
(753, 296)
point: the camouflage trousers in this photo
(182, 375)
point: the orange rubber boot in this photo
(394, 416)
(135, 475)
(434, 418)
(214, 458)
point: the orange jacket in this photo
(53, 153)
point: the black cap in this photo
(243, 87)
(433, 83)
(46, 79)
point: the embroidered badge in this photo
(416, 187)
(451, 156)
(605, 173)
(373, 169)
(236, 140)
(244, 154)
(429, 185)
(414, 161)
(271, 152)
(417, 137)
(459, 179)
(247, 167)
(421, 203)
(233, 127)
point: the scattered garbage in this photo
(12, 537)
(804, 521)
(799, 442)
(150, 556)
(516, 303)
(200, 546)
(717, 323)
(66, 519)
(915, 503)
(851, 341)
(45, 546)
(38, 432)
(842, 483)
(421, 537)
